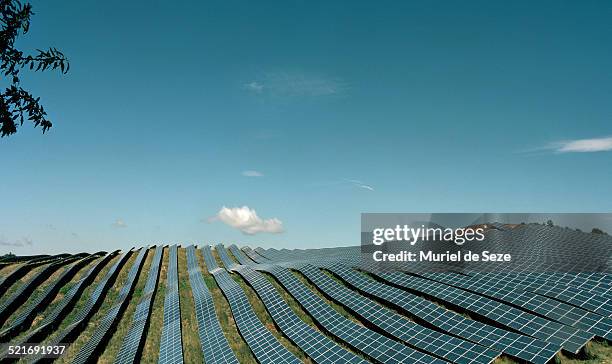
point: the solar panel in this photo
(55, 317)
(7, 281)
(262, 343)
(214, 344)
(134, 340)
(21, 294)
(28, 314)
(316, 345)
(510, 343)
(171, 348)
(79, 322)
(568, 337)
(553, 309)
(445, 346)
(360, 338)
(560, 291)
(94, 346)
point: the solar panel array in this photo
(28, 314)
(22, 293)
(316, 345)
(508, 342)
(569, 338)
(564, 292)
(214, 345)
(54, 318)
(347, 312)
(372, 344)
(430, 341)
(555, 310)
(133, 341)
(78, 323)
(263, 344)
(90, 351)
(171, 347)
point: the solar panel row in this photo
(54, 318)
(21, 294)
(445, 346)
(568, 337)
(92, 348)
(41, 330)
(370, 343)
(79, 322)
(316, 345)
(214, 345)
(134, 340)
(508, 342)
(25, 318)
(263, 344)
(171, 347)
(562, 292)
(555, 310)
(10, 279)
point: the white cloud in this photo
(254, 87)
(583, 145)
(246, 220)
(296, 84)
(252, 174)
(119, 223)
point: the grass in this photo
(107, 303)
(192, 351)
(114, 344)
(222, 309)
(150, 352)
(595, 352)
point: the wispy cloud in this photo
(247, 221)
(20, 243)
(296, 84)
(360, 184)
(119, 223)
(254, 87)
(252, 173)
(347, 183)
(583, 145)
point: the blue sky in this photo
(336, 108)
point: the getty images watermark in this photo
(511, 242)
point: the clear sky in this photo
(308, 112)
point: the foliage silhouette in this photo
(17, 104)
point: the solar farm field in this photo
(230, 304)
